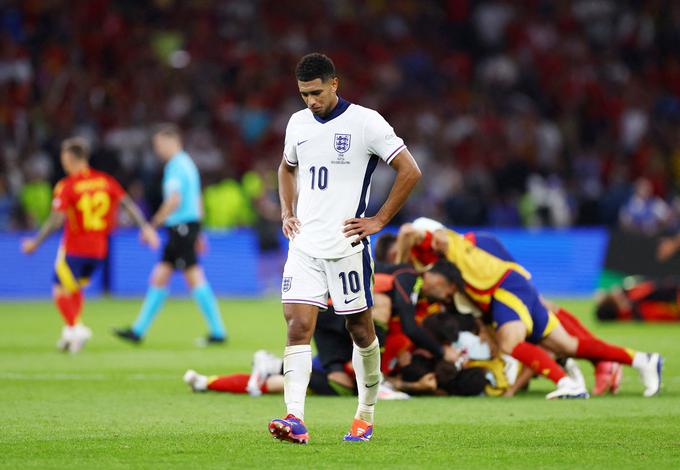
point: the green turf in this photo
(120, 406)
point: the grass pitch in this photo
(120, 406)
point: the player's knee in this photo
(58, 290)
(194, 276)
(161, 275)
(507, 345)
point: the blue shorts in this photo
(517, 299)
(74, 272)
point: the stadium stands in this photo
(520, 113)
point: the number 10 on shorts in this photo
(351, 280)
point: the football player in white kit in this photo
(331, 149)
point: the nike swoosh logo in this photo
(350, 300)
(287, 371)
(371, 386)
(302, 142)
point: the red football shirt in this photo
(90, 201)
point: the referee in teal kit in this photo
(181, 214)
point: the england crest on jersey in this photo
(342, 142)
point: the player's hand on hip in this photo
(361, 227)
(290, 227)
(28, 246)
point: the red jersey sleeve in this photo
(60, 197)
(423, 251)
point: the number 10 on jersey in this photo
(319, 177)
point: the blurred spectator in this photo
(644, 212)
(534, 112)
(7, 207)
(36, 198)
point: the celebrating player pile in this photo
(331, 150)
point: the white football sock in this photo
(297, 367)
(366, 363)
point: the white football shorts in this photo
(349, 281)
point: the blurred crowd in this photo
(532, 113)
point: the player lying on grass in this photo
(332, 372)
(641, 300)
(492, 282)
(87, 200)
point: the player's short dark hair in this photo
(448, 270)
(465, 382)
(313, 66)
(383, 245)
(167, 129)
(607, 309)
(76, 146)
(443, 327)
(419, 366)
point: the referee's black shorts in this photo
(180, 249)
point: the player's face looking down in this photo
(319, 96)
(436, 287)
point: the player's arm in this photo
(54, 222)
(404, 307)
(525, 375)
(427, 384)
(149, 234)
(287, 176)
(668, 247)
(407, 238)
(408, 175)
(170, 205)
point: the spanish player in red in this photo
(86, 203)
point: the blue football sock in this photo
(205, 298)
(155, 297)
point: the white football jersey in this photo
(336, 157)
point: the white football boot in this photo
(265, 364)
(574, 371)
(649, 366)
(568, 388)
(387, 392)
(65, 339)
(80, 336)
(197, 382)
